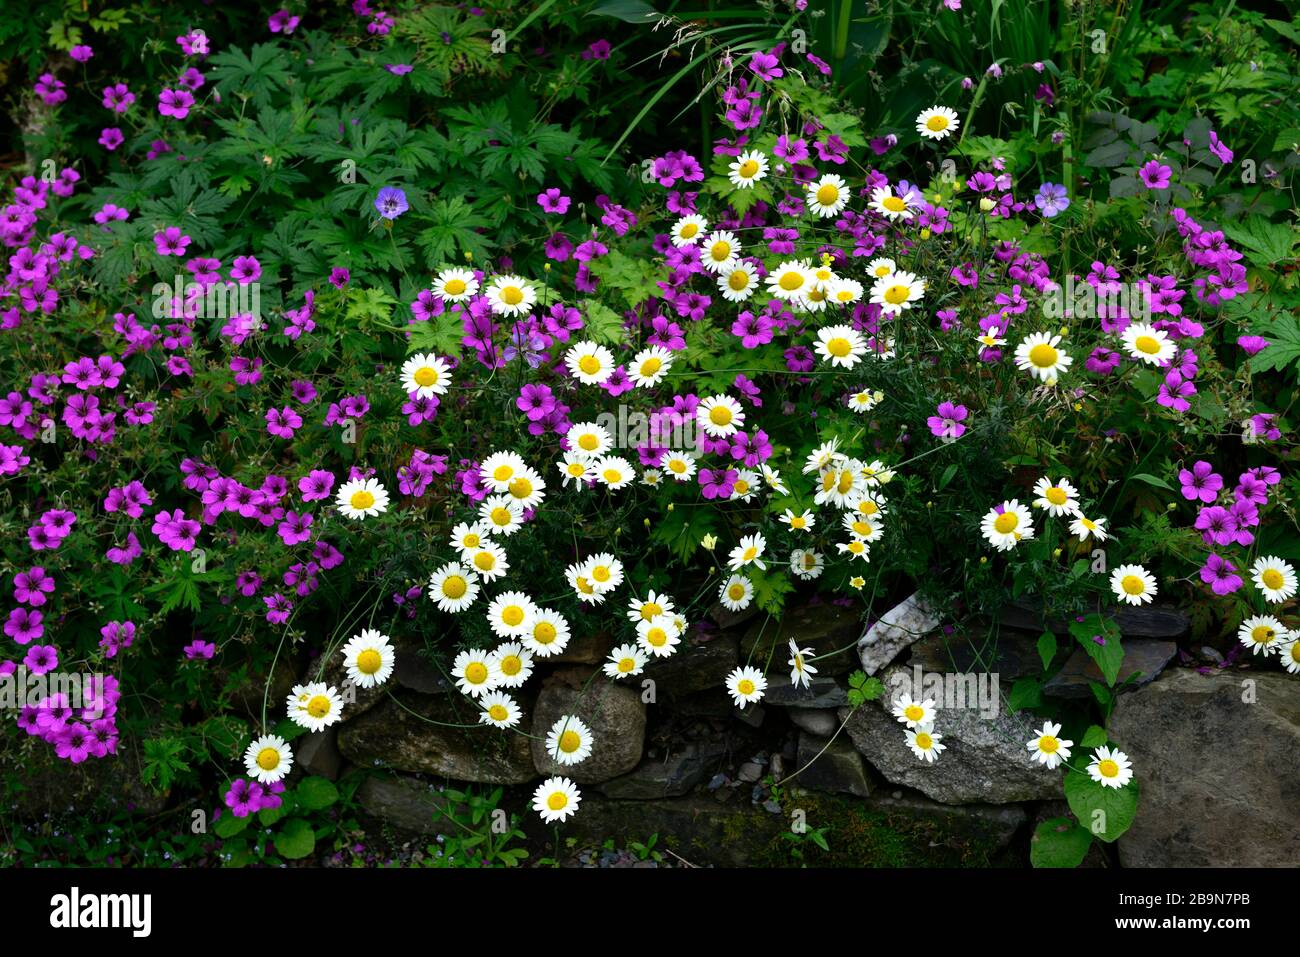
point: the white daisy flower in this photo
(649, 366)
(720, 416)
(1006, 525)
(736, 593)
(499, 710)
(1274, 577)
(488, 561)
(1041, 356)
(361, 498)
(454, 587)
(315, 706)
(1262, 634)
(914, 713)
(368, 658)
(455, 285)
(548, 634)
(925, 743)
(1133, 584)
(1110, 768)
(841, 346)
(807, 564)
(474, 672)
(747, 169)
(892, 206)
(569, 740)
(650, 608)
(615, 472)
(748, 552)
(1087, 528)
(589, 363)
(659, 637)
(827, 196)
(426, 375)
(801, 671)
(1059, 499)
(738, 282)
(938, 122)
(577, 469)
(625, 661)
(510, 614)
(499, 469)
(720, 252)
(556, 799)
(501, 514)
(802, 522)
(590, 439)
(513, 664)
(790, 281)
(1147, 343)
(511, 296)
(1047, 746)
(688, 230)
(268, 759)
(680, 465)
(897, 291)
(746, 686)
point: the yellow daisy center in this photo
(894, 204)
(736, 592)
(485, 561)
(1132, 585)
(589, 364)
(897, 295)
(839, 347)
(319, 706)
(828, 195)
(511, 665)
(748, 168)
(745, 686)
(570, 741)
(454, 586)
(362, 500)
(1147, 344)
(937, 123)
(426, 376)
(1048, 744)
(512, 295)
(914, 712)
(369, 661)
(1108, 769)
(738, 281)
(498, 712)
(689, 230)
(557, 801)
(454, 287)
(1056, 496)
(1262, 634)
(924, 741)
(512, 615)
(1272, 578)
(720, 415)
(476, 672)
(268, 759)
(544, 633)
(1043, 355)
(1006, 523)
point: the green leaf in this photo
(629, 11)
(1108, 653)
(1283, 335)
(1059, 843)
(1269, 242)
(1112, 154)
(1094, 737)
(1047, 648)
(1153, 480)
(296, 839)
(228, 825)
(1105, 812)
(315, 793)
(1027, 692)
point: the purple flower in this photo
(553, 201)
(31, 586)
(282, 22)
(81, 52)
(1220, 574)
(1252, 345)
(1220, 149)
(718, 483)
(24, 626)
(296, 528)
(198, 648)
(1155, 175)
(947, 421)
(282, 422)
(391, 203)
(1200, 482)
(41, 659)
(171, 242)
(1051, 199)
(175, 530)
(110, 138)
(175, 103)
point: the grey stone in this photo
(318, 753)
(251, 693)
(586, 649)
(822, 692)
(984, 760)
(1218, 773)
(1010, 654)
(829, 629)
(725, 618)
(614, 713)
(436, 734)
(831, 765)
(820, 722)
(697, 666)
(403, 803)
(1143, 657)
(1148, 621)
(749, 772)
(751, 714)
(907, 622)
(671, 776)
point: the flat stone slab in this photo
(1143, 657)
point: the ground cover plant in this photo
(478, 331)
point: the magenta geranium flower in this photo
(1220, 574)
(1200, 482)
(171, 242)
(175, 103)
(111, 138)
(946, 423)
(1155, 175)
(553, 201)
